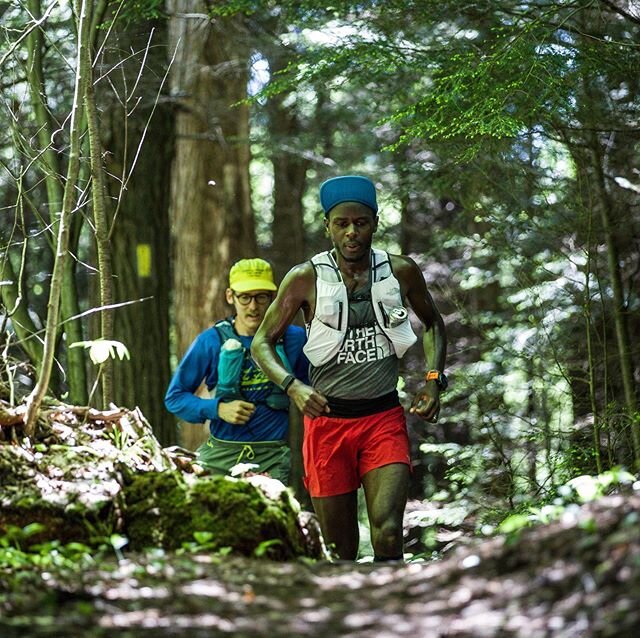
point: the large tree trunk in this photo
(289, 176)
(211, 217)
(140, 146)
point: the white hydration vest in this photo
(327, 329)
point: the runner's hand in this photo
(426, 403)
(236, 412)
(310, 402)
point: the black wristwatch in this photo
(286, 382)
(439, 377)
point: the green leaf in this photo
(202, 537)
(262, 549)
(513, 523)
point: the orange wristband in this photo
(439, 377)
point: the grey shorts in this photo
(271, 457)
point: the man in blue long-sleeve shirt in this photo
(248, 415)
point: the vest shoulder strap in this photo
(225, 330)
(380, 265)
(326, 267)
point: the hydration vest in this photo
(327, 330)
(231, 362)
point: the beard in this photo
(362, 254)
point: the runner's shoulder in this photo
(301, 276)
(402, 264)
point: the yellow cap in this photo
(251, 274)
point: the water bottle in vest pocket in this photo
(392, 316)
(232, 355)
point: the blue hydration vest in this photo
(231, 363)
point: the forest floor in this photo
(575, 577)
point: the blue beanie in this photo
(349, 188)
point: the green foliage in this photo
(134, 11)
(578, 490)
(262, 550)
(202, 537)
(583, 489)
(234, 7)
(40, 556)
(464, 465)
(461, 79)
(204, 541)
(15, 535)
(513, 523)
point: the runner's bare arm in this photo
(426, 402)
(296, 293)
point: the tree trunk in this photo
(63, 227)
(140, 143)
(52, 170)
(289, 177)
(619, 303)
(288, 248)
(13, 300)
(594, 114)
(211, 217)
(101, 230)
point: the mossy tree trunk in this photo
(101, 227)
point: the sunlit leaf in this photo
(262, 549)
(513, 523)
(203, 537)
(586, 487)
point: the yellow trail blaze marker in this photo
(143, 254)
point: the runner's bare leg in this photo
(338, 518)
(386, 490)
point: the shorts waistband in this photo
(259, 444)
(354, 408)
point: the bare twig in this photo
(36, 24)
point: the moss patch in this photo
(165, 510)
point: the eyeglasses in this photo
(244, 298)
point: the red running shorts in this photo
(338, 452)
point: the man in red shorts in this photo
(353, 298)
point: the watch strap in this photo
(439, 377)
(286, 382)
